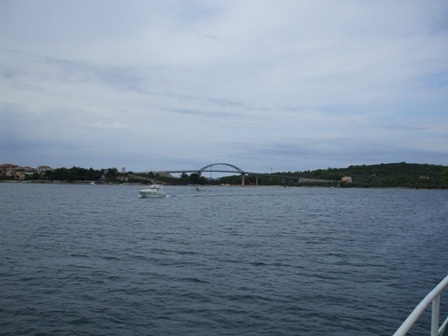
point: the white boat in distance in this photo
(154, 191)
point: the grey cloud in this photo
(295, 85)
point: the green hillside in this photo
(407, 175)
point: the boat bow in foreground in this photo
(434, 298)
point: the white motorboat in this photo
(154, 191)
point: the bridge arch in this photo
(239, 170)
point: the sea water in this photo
(100, 260)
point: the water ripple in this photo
(229, 261)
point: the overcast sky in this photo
(284, 84)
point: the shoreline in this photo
(98, 183)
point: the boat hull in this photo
(155, 191)
(151, 194)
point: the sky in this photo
(265, 85)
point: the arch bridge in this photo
(216, 168)
(210, 168)
(228, 168)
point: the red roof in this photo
(8, 165)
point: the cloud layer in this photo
(288, 85)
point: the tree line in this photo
(71, 174)
(385, 175)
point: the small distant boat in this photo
(198, 189)
(154, 191)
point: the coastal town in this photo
(46, 174)
(21, 173)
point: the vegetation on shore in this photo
(390, 175)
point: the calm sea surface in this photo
(100, 260)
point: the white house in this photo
(346, 179)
